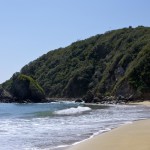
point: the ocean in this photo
(56, 126)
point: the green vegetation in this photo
(114, 63)
(139, 76)
(24, 87)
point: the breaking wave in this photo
(71, 111)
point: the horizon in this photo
(30, 29)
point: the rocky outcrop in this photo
(24, 89)
(79, 100)
(89, 97)
(100, 99)
(5, 96)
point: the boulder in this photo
(26, 89)
(88, 98)
(5, 96)
(79, 101)
(96, 100)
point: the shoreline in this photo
(135, 136)
(145, 103)
(110, 140)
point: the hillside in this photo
(115, 63)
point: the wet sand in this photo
(135, 136)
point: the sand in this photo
(135, 136)
(146, 103)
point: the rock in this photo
(130, 98)
(79, 101)
(120, 97)
(88, 98)
(96, 100)
(100, 96)
(25, 89)
(5, 96)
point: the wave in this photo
(60, 146)
(93, 135)
(71, 111)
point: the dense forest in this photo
(114, 63)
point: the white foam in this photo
(93, 135)
(61, 146)
(128, 122)
(71, 111)
(99, 132)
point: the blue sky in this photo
(30, 28)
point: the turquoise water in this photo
(56, 126)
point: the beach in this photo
(60, 125)
(134, 136)
(145, 103)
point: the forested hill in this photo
(114, 63)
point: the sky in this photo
(31, 28)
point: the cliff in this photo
(115, 63)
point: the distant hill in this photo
(115, 63)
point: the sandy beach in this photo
(135, 136)
(146, 103)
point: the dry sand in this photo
(134, 136)
(146, 103)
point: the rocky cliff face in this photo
(115, 63)
(23, 89)
(4, 95)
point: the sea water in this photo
(56, 126)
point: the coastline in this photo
(134, 136)
(47, 122)
(145, 103)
